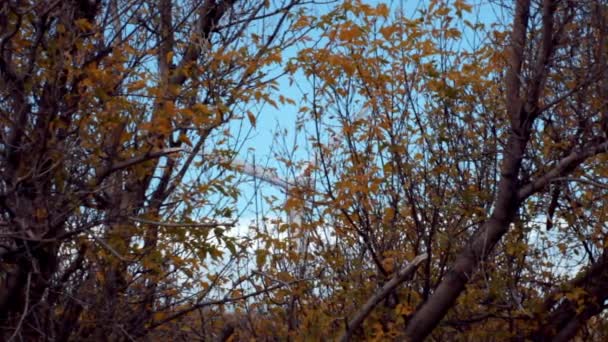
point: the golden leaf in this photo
(252, 118)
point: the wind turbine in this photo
(270, 176)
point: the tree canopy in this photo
(453, 185)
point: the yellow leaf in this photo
(137, 85)
(302, 22)
(403, 309)
(201, 109)
(251, 118)
(389, 265)
(41, 213)
(443, 11)
(260, 257)
(159, 316)
(275, 57)
(184, 139)
(388, 31)
(83, 24)
(382, 10)
(350, 33)
(461, 5)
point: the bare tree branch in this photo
(400, 277)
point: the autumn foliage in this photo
(454, 180)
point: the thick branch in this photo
(565, 166)
(561, 316)
(136, 160)
(209, 16)
(428, 316)
(401, 276)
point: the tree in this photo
(537, 89)
(426, 147)
(111, 113)
(458, 185)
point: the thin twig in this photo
(182, 225)
(579, 180)
(136, 160)
(284, 283)
(225, 300)
(109, 248)
(126, 333)
(25, 309)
